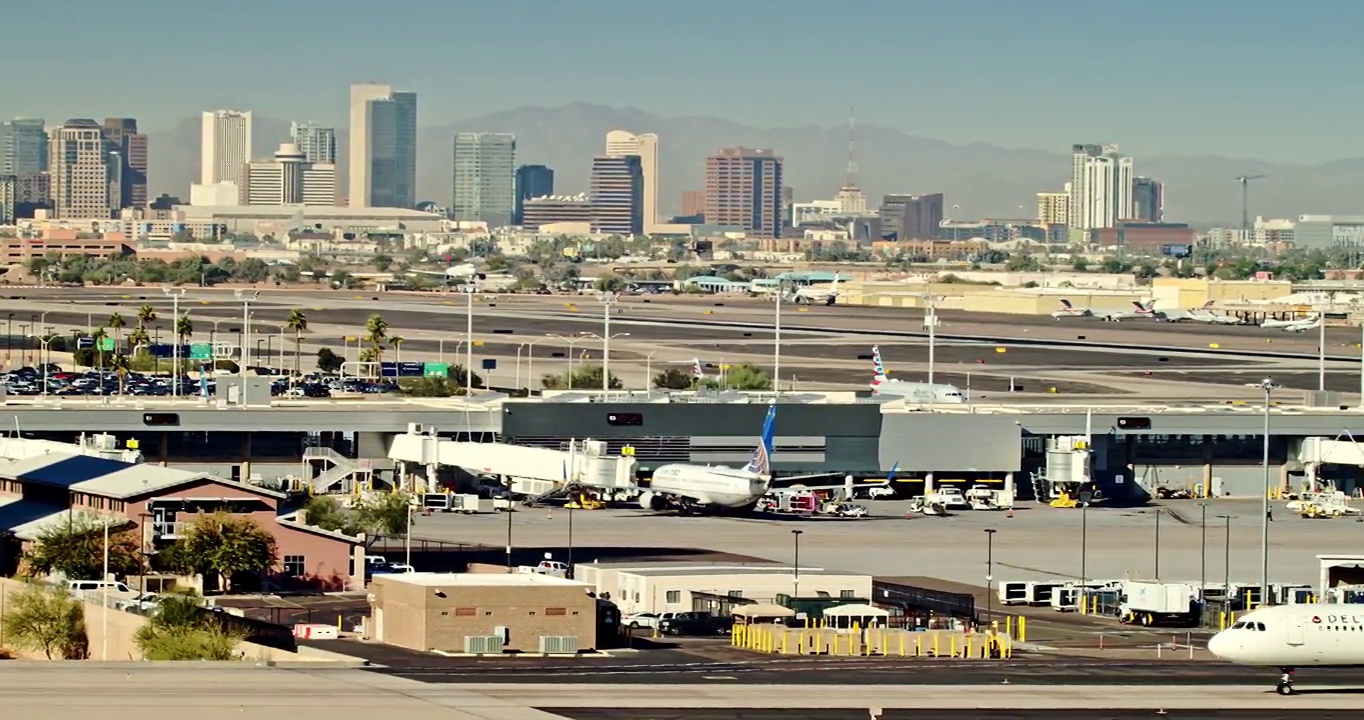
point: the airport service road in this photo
(218, 691)
(1038, 543)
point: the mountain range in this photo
(984, 180)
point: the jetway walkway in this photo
(537, 472)
(339, 469)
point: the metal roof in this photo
(108, 478)
(27, 519)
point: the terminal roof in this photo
(432, 579)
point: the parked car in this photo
(693, 623)
(640, 620)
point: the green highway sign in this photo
(436, 370)
(201, 351)
(106, 344)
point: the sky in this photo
(1241, 78)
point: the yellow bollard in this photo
(952, 645)
(1009, 625)
(1008, 647)
(918, 645)
(937, 651)
(1022, 629)
(338, 623)
(902, 644)
(783, 642)
(970, 651)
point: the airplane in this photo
(1293, 636)
(690, 487)
(1068, 310)
(1303, 325)
(882, 385)
(1138, 311)
(826, 293)
(1200, 314)
(1280, 324)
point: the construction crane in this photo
(1245, 204)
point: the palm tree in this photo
(120, 365)
(397, 344)
(298, 322)
(117, 322)
(146, 314)
(139, 338)
(376, 329)
(184, 328)
(98, 335)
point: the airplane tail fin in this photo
(761, 463)
(696, 370)
(891, 475)
(878, 368)
(1065, 304)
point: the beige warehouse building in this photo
(682, 587)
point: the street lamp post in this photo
(1202, 551)
(1226, 567)
(246, 296)
(407, 538)
(776, 345)
(607, 300)
(509, 534)
(795, 564)
(469, 340)
(1268, 386)
(649, 371)
(1085, 497)
(1321, 352)
(175, 294)
(530, 365)
(1156, 576)
(989, 573)
(606, 349)
(570, 339)
(570, 539)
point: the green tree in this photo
(382, 262)
(181, 630)
(387, 514)
(139, 338)
(610, 283)
(184, 329)
(1022, 263)
(674, 379)
(326, 512)
(1080, 264)
(449, 386)
(743, 376)
(396, 343)
(329, 361)
(298, 323)
(46, 619)
(376, 333)
(76, 549)
(585, 377)
(117, 323)
(121, 365)
(225, 544)
(146, 314)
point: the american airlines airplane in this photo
(1138, 311)
(1284, 324)
(1289, 637)
(1068, 310)
(1303, 325)
(826, 293)
(882, 385)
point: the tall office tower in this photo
(383, 147)
(532, 181)
(1105, 190)
(122, 136)
(693, 203)
(288, 179)
(225, 147)
(551, 209)
(1080, 154)
(85, 172)
(621, 143)
(911, 217)
(485, 178)
(1053, 208)
(20, 195)
(23, 147)
(1148, 200)
(744, 189)
(318, 144)
(851, 199)
(618, 194)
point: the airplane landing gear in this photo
(1285, 686)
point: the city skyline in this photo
(1187, 116)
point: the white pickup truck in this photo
(546, 567)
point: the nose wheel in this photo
(1285, 686)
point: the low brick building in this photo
(437, 611)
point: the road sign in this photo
(489, 363)
(388, 369)
(106, 344)
(436, 369)
(85, 343)
(411, 369)
(201, 351)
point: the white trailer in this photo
(1157, 603)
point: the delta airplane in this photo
(1294, 636)
(882, 385)
(826, 293)
(705, 487)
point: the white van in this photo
(90, 588)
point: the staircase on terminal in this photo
(337, 469)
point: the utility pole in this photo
(175, 295)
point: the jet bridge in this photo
(536, 472)
(1314, 452)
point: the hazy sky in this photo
(1252, 78)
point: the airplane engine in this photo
(831, 301)
(651, 501)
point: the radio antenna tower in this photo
(850, 178)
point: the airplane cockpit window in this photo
(1240, 625)
(1260, 627)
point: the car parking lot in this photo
(53, 379)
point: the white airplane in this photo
(1201, 314)
(1068, 310)
(826, 293)
(1279, 324)
(1303, 325)
(1138, 312)
(882, 385)
(1289, 637)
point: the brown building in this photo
(437, 611)
(86, 173)
(122, 136)
(65, 241)
(744, 188)
(159, 503)
(911, 217)
(931, 249)
(1144, 237)
(693, 203)
(556, 209)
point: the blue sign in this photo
(1175, 250)
(85, 343)
(411, 369)
(489, 363)
(388, 369)
(167, 350)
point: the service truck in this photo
(1158, 603)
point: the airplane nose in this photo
(1221, 645)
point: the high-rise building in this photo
(318, 144)
(744, 189)
(1080, 153)
(485, 178)
(551, 209)
(911, 217)
(620, 143)
(1053, 208)
(23, 147)
(1148, 200)
(121, 134)
(225, 147)
(693, 203)
(618, 194)
(383, 147)
(1105, 189)
(532, 181)
(20, 195)
(85, 172)
(288, 179)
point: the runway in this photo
(217, 691)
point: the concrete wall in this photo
(923, 442)
(640, 592)
(121, 627)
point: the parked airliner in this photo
(826, 293)
(1138, 311)
(1289, 637)
(882, 385)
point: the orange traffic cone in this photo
(1009, 514)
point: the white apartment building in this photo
(1101, 187)
(225, 147)
(288, 179)
(318, 144)
(620, 143)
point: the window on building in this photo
(673, 596)
(295, 565)
(556, 611)
(736, 593)
(847, 594)
(466, 612)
